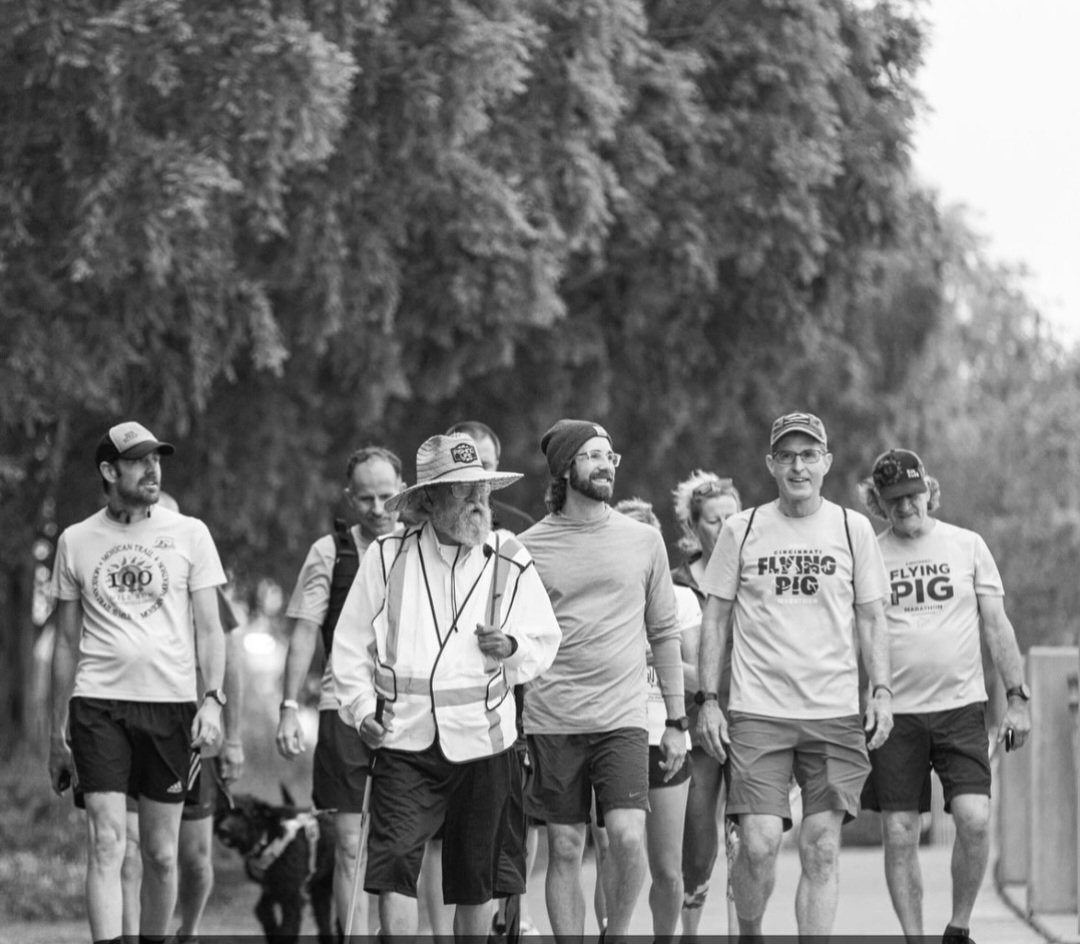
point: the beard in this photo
(599, 486)
(469, 525)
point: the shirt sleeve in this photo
(64, 585)
(206, 569)
(310, 598)
(533, 625)
(871, 580)
(352, 660)
(661, 610)
(987, 578)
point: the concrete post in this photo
(1052, 846)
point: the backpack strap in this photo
(346, 564)
(746, 534)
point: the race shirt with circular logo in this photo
(135, 583)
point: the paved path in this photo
(864, 909)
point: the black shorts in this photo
(412, 794)
(656, 773)
(568, 768)
(133, 747)
(953, 742)
(511, 873)
(203, 795)
(340, 766)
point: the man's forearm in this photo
(303, 642)
(873, 632)
(715, 618)
(64, 662)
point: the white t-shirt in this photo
(794, 649)
(933, 612)
(310, 598)
(689, 611)
(135, 583)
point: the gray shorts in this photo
(827, 757)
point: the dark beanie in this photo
(561, 443)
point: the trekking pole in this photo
(365, 828)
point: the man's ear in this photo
(108, 472)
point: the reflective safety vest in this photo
(428, 666)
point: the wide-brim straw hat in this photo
(443, 460)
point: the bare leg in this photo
(971, 851)
(131, 876)
(602, 890)
(397, 914)
(106, 830)
(440, 915)
(473, 922)
(754, 874)
(664, 845)
(700, 838)
(626, 838)
(159, 837)
(819, 884)
(562, 888)
(196, 872)
(900, 833)
(347, 827)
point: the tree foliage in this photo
(279, 229)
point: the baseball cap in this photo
(899, 472)
(129, 441)
(798, 423)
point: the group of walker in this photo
(642, 690)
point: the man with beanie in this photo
(585, 717)
(946, 597)
(800, 585)
(137, 610)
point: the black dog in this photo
(289, 852)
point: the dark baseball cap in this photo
(129, 441)
(899, 472)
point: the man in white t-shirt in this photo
(946, 593)
(137, 609)
(802, 584)
(373, 477)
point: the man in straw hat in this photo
(586, 718)
(442, 621)
(946, 597)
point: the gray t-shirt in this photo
(611, 590)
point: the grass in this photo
(42, 844)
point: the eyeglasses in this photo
(598, 455)
(787, 457)
(465, 489)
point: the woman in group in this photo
(703, 502)
(667, 791)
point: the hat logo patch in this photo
(465, 453)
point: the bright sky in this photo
(1002, 78)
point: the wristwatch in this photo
(679, 724)
(1020, 691)
(217, 694)
(701, 697)
(289, 703)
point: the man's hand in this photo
(373, 732)
(673, 747)
(879, 717)
(1018, 720)
(61, 766)
(712, 727)
(231, 761)
(290, 734)
(206, 728)
(494, 644)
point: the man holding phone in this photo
(945, 592)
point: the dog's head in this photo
(247, 823)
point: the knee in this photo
(972, 821)
(108, 848)
(564, 848)
(159, 857)
(819, 855)
(901, 832)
